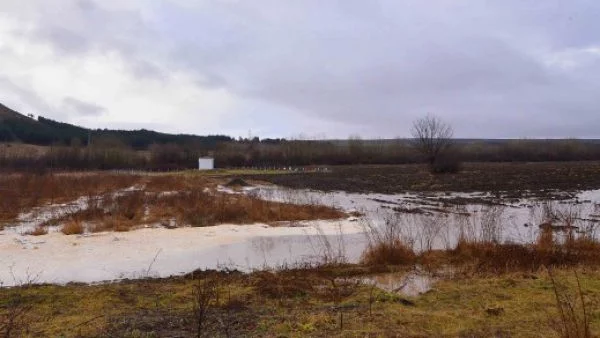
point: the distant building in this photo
(206, 163)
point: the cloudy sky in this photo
(310, 68)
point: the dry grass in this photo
(72, 227)
(489, 257)
(192, 207)
(187, 199)
(393, 253)
(178, 182)
(556, 246)
(21, 192)
(574, 318)
(200, 208)
(546, 252)
(387, 245)
(111, 212)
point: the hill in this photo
(16, 127)
(7, 113)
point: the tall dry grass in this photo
(563, 240)
(551, 248)
(72, 228)
(574, 317)
(200, 208)
(186, 200)
(388, 245)
(21, 192)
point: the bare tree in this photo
(432, 137)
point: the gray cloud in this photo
(25, 100)
(493, 69)
(81, 108)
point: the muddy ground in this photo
(517, 178)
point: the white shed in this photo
(206, 163)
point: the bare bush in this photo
(203, 293)
(16, 308)
(491, 224)
(14, 312)
(329, 250)
(467, 229)
(428, 229)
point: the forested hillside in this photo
(15, 127)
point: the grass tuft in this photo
(72, 227)
(393, 253)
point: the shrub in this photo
(393, 253)
(72, 227)
(387, 245)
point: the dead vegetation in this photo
(495, 257)
(564, 240)
(124, 202)
(574, 318)
(200, 208)
(22, 192)
(388, 245)
(72, 227)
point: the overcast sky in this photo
(312, 68)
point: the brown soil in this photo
(517, 179)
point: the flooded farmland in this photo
(425, 220)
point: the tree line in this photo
(292, 153)
(67, 147)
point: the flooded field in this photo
(426, 221)
(436, 220)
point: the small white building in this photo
(206, 163)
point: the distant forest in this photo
(15, 127)
(41, 144)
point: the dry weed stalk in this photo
(15, 308)
(203, 293)
(574, 317)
